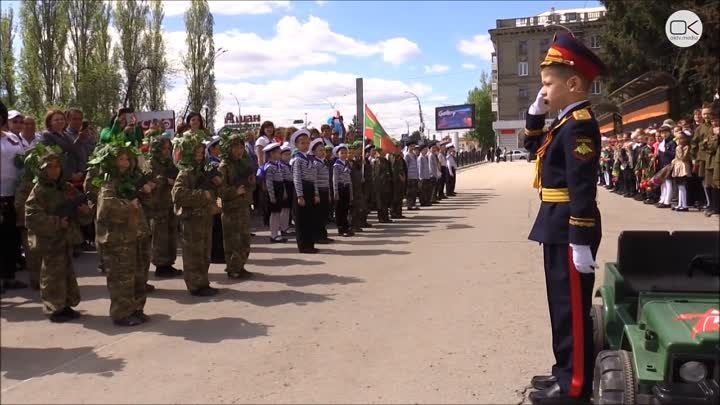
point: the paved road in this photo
(447, 306)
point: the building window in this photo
(522, 92)
(596, 88)
(522, 68)
(521, 114)
(571, 17)
(522, 47)
(544, 45)
(595, 41)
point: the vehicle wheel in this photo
(614, 381)
(598, 322)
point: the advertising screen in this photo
(455, 117)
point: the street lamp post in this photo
(549, 24)
(237, 102)
(422, 121)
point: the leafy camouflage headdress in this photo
(102, 161)
(228, 141)
(37, 158)
(184, 149)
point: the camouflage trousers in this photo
(126, 265)
(236, 237)
(196, 242)
(398, 193)
(358, 213)
(164, 239)
(58, 284)
(33, 259)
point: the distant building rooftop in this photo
(574, 15)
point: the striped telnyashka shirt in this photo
(303, 170)
(286, 170)
(434, 166)
(412, 166)
(322, 173)
(273, 175)
(341, 177)
(423, 167)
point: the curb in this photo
(471, 166)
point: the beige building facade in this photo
(520, 45)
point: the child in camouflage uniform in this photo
(54, 212)
(122, 231)
(195, 200)
(236, 190)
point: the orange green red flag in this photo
(376, 133)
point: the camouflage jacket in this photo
(22, 192)
(234, 174)
(42, 210)
(702, 132)
(118, 221)
(159, 202)
(188, 198)
(357, 177)
(382, 174)
(399, 171)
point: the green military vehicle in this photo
(658, 328)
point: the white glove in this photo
(540, 106)
(582, 258)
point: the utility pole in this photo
(238, 104)
(422, 121)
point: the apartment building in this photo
(520, 45)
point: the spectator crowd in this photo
(135, 195)
(673, 165)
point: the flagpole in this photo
(360, 117)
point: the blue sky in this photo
(285, 59)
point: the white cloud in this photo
(480, 45)
(436, 69)
(178, 7)
(295, 44)
(469, 66)
(320, 2)
(313, 91)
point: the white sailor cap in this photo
(315, 142)
(212, 141)
(13, 114)
(286, 147)
(449, 145)
(300, 132)
(271, 147)
(336, 150)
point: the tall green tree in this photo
(156, 75)
(131, 20)
(8, 93)
(199, 62)
(635, 43)
(104, 78)
(481, 97)
(84, 17)
(44, 25)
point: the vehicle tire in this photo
(614, 380)
(598, 322)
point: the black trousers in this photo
(322, 212)
(426, 190)
(451, 180)
(10, 237)
(569, 294)
(442, 182)
(306, 217)
(217, 251)
(433, 189)
(412, 192)
(342, 208)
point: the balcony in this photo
(494, 86)
(557, 18)
(494, 107)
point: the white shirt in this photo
(28, 145)
(564, 111)
(10, 147)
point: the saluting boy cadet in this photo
(342, 189)
(568, 222)
(306, 190)
(275, 186)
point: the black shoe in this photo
(130, 320)
(663, 206)
(326, 241)
(101, 269)
(149, 288)
(87, 247)
(204, 292)
(176, 272)
(287, 233)
(73, 314)
(13, 284)
(278, 239)
(252, 234)
(367, 225)
(554, 395)
(541, 382)
(357, 229)
(683, 209)
(141, 316)
(398, 216)
(649, 201)
(386, 221)
(348, 233)
(241, 274)
(310, 251)
(165, 272)
(60, 316)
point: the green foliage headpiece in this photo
(184, 149)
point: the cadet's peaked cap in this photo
(212, 141)
(422, 145)
(411, 143)
(369, 146)
(285, 147)
(271, 147)
(337, 149)
(297, 134)
(449, 145)
(315, 143)
(568, 50)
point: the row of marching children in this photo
(145, 194)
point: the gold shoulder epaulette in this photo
(581, 115)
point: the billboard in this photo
(455, 117)
(145, 119)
